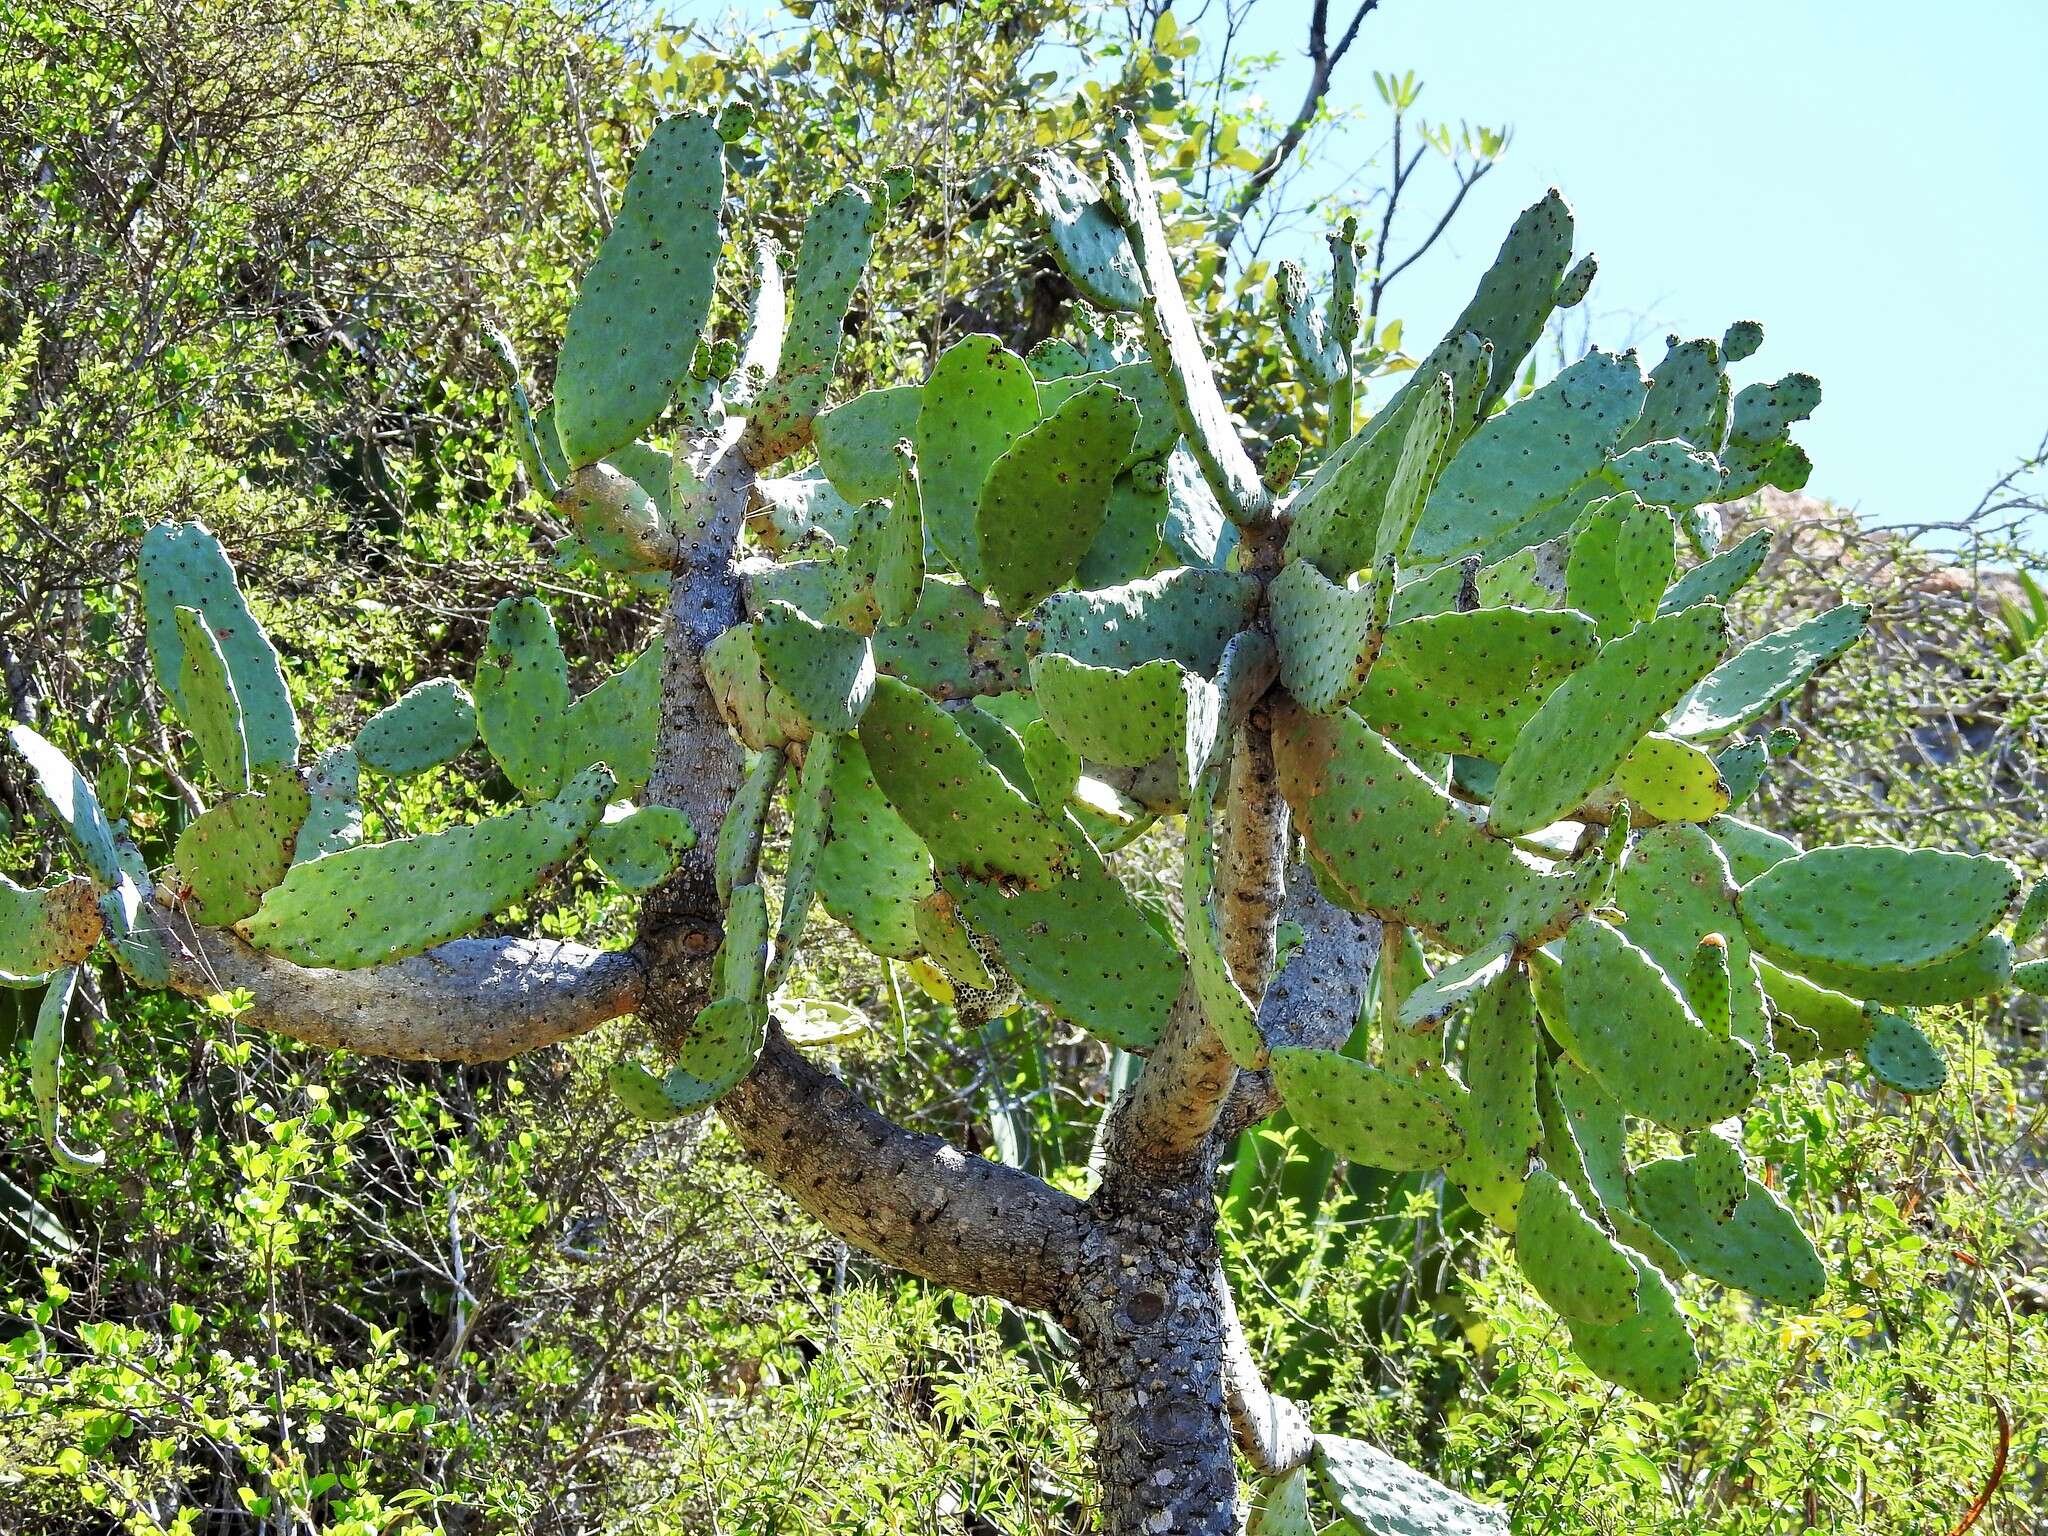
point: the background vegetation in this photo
(247, 252)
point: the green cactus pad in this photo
(1081, 947)
(1120, 719)
(239, 849)
(1677, 891)
(1528, 459)
(1380, 1496)
(641, 1094)
(736, 854)
(827, 673)
(1319, 357)
(1668, 473)
(1688, 398)
(1838, 1021)
(1045, 496)
(1224, 1005)
(1595, 717)
(540, 453)
(1085, 237)
(1174, 342)
(43, 929)
(2032, 977)
(1757, 451)
(1742, 767)
(1759, 1249)
(1741, 340)
(857, 440)
(1054, 767)
(1756, 677)
(899, 569)
(1876, 908)
(1585, 1133)
(1363, 1113)
(634, 327)
(1468, 682)
(838, 236)
(1327, 636)
(1500, 1069)
(384, 901)
(1750, 849)
(873, 869)
(132, 934)
(1979, 971)
(1129, 545)
(334, 819)
(979, 400)
(1672, 780)
(1633, 1029)
(1719, 1178)
(808, 827)
(1900, 1056)
(522, 695)
(724, 1043)
(1569, 1257)
(1281, 1507)
(432, 724)
(1651, 1353)
(618, 520)
(948, 944)
(1399, 848)
(2033, 913)
(1363, 504)
(1620, 563)
(1187, 615)
(183, 566)
(1718, 579)
(45, 1064)
(1512, 303)
(1455, 985)
(636, 846)
(209, 704)
(743, 956)
(969, 815)
(1158, 429)
(760, 714)
(70, 798)
(1573, 287)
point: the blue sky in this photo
(1868, 179)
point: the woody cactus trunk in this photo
(1458, 707)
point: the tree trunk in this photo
(1149, 1319)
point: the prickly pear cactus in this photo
(1025, 608)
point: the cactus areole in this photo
(1460, 691)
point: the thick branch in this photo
(911, 1200)
(472, 1000)
(1159, 1129)
(1251, 857)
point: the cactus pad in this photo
(808, 823)
(1900, 1056)
(1327, 636)
(737, 852)
(1620, 563)
(1281, 1508)
(384, 901)
(826, 672)
(1668, 473)
(618, 520)
(1650, 1353)
(636, 846)
(334, 817)
(1528, 458)
(838, 236)
(760, 714)
(1380, 1496)
(183, 566)
(1688, 398)
(1876, 908)
(1718, 579)
(857, 440)
(1500, 1070)
(1677, 891)
(1363, 1113)
(240, 848)
(1760, 674)
(1634, 1031)
(522, 695)
(1595, 717)
(1045, 496)
(1979, 971)
(969, 815)
(1672, 780)
(1119, 719)
(1082, 947)
(1569, 1257)
(1187, 615)
(1086, 239)
(1719, 1179)
(209, 704)
(1054, 767)
(70, 798)
(45, 1065)
(1469, 682)
(1759, 1249)
(432, 724)
(2033, 914)
(634, 327)
(43, 929)
(873, 869)
(979, 400)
